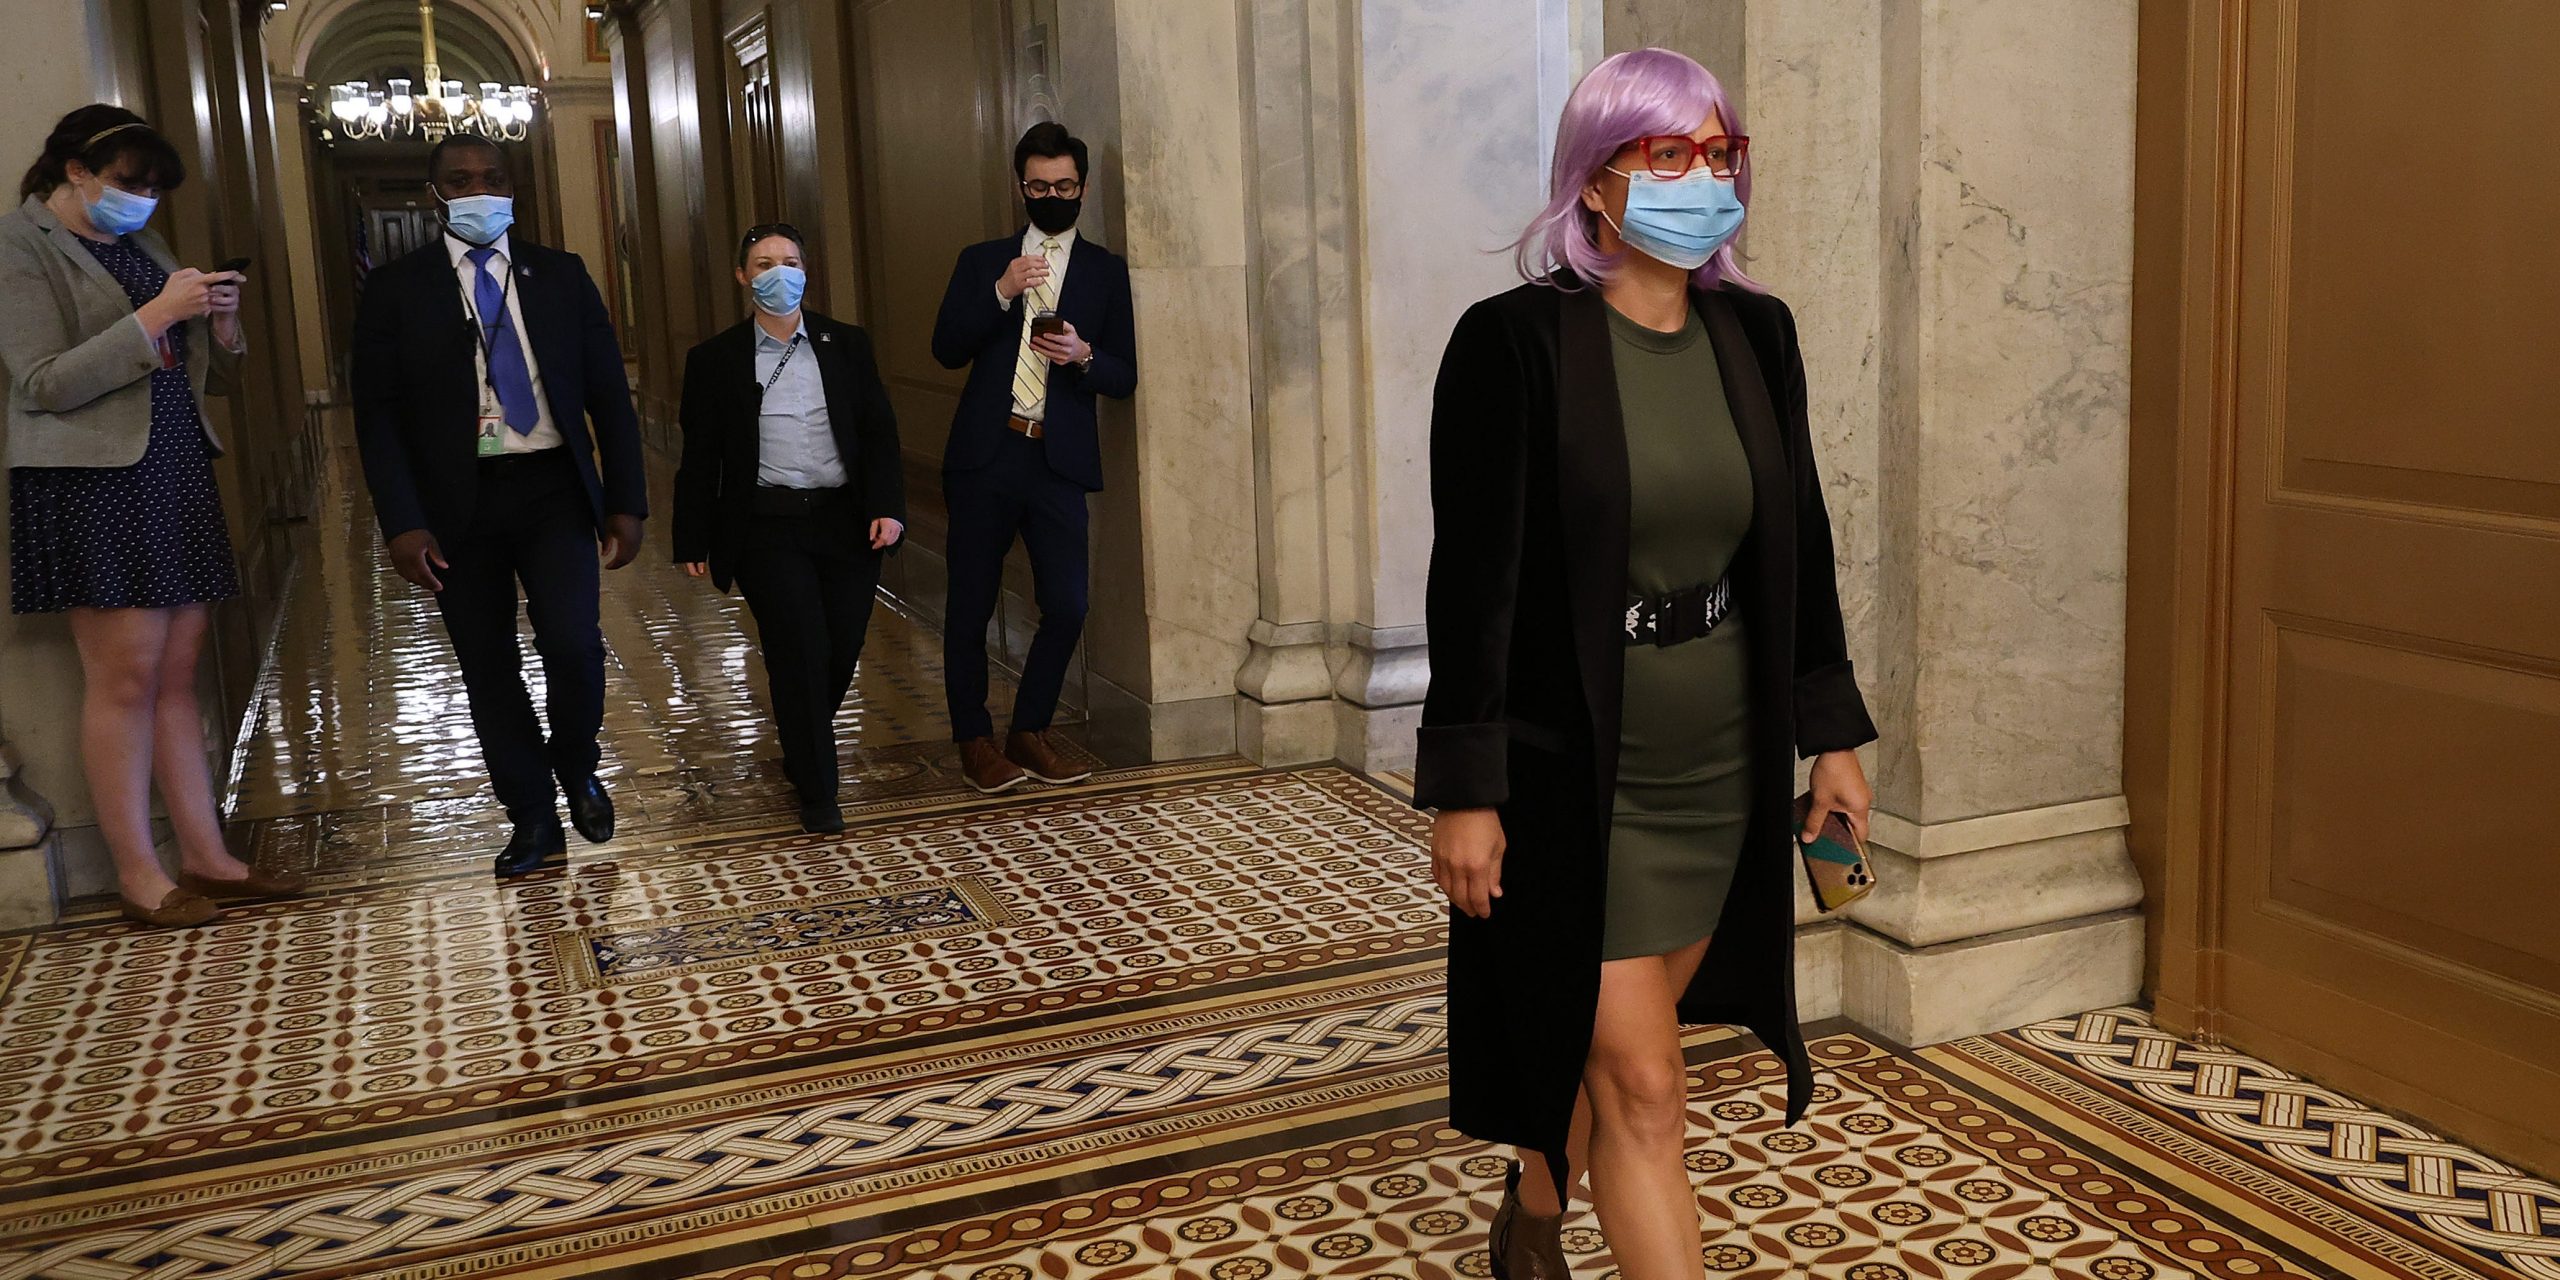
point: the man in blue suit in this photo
(1042, 320)
(499, 441)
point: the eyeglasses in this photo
(1673, 154)
(766, 231)
(1064, 189)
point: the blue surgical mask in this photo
(479, 219)
(117, 211)
(778, 290)
(1683, 220)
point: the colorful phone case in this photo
(1835, 863)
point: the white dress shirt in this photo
(1057, 286)
(795, 439)
(544, 435)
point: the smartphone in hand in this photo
(1047, 324)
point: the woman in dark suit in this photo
(1634, 633)
(791, 487)
(114, 518)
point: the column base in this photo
(31, 884)
(1278, 734)
(1925, 995)
(1124, 726)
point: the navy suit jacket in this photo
(417, 396)
(972, 330)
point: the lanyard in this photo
(783, 363)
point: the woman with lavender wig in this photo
(1634, 633)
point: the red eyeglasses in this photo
(1673, 154)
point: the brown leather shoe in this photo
(1032, 752)
(178, 909)
(986, 768)
(1524, 1247)
(260, 883)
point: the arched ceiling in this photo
(376, 39)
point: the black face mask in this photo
(1053, 214)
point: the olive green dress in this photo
(1684, 776)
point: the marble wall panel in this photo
(1195, 471)
(1451, 136)
(2025, 249)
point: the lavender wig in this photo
(1636, 94)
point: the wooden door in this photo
(2370, 405)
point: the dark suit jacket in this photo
(417, 396)
(1525, 605)
(723, 446)
(974, 331)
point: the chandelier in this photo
(431, 107)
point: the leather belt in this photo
(1023, 426)
(777, 500)
(1679, 616)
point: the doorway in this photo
(2346, 691)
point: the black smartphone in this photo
(1046, 323)
(235, 264)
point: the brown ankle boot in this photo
(986, 768)
(1033, 753)
(1524, 1246)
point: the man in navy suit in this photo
(1042, 320)
(479, 362)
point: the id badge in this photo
(492, 426)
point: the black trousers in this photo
(531, 525)
(808, 577)
(1015, 495)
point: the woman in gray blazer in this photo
(113, 514)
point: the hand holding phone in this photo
(1048, 324)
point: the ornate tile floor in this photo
(1181, 1021)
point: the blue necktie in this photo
(506, 355)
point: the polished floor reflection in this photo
(359, 761)
(1182, 1020)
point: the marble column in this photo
(1943, 193)
(1458, 101)
(1158, 84)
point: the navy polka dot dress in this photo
(147, 536)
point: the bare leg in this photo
(1639, 1086)
(120, 682)
(178, 752)
(1537, 1195)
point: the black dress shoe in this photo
(821, 817)
(590, 809)
(529, 848)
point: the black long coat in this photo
(1526, 602)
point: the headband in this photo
(111, 129)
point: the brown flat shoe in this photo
(1525, 1247)
(178, 909)
(259, 883)
(986, 768)
(1032, 752)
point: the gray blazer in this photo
(79, 365)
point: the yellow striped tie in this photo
(1030, 368)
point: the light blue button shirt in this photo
(797, 441)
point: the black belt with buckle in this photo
(776, 500)
(1679, 616)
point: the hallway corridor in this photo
(1182, 1020)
